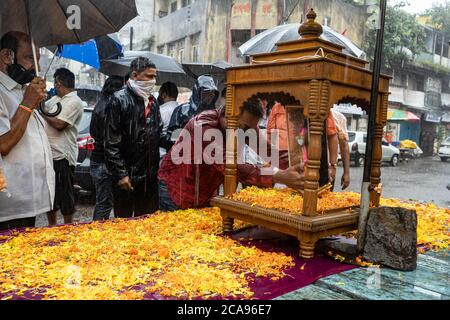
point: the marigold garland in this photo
(177, 254)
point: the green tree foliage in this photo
(404, 38)
(440, 17)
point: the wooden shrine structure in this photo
(311, 74)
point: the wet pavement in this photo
(423, 179)
(420, 179)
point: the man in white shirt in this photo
(167, 100)
(62, 132)
(24, 145)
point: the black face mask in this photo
(20, 74)
(160, 101)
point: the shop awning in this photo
(401, 115)
(446, 118)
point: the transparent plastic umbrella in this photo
(267, 40)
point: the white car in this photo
(444, 150)
(357, 145)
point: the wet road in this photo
(421, 179)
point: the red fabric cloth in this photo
(180, 178)
(149, 106)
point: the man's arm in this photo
(34, 94)
(113, 141)
(56, 123)
(292, 177)
(333, 149)
(18, 126)
(345, 155)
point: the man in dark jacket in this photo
(204, 97)
(132, 140)
(100, 175)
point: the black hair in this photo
(140, 64)
(112, 84)
(224, 93)
(170, 89)
(253, 107)
(66, 77)
(9, 41)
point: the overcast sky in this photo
(418, 6)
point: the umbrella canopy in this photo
(267, 41)
(218, 70)
(168, 68)
(401, 115)
(53, 22)
(93, 51)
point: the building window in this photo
(173, 6)
(181, 51)
(420, 83)
(162, 14)
(195, 44)
(171, 50)
(185, 3)
(181, 55)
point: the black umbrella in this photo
(53, 22)
(168, 68)
(218, 70)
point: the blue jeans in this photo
(103, 191)
(165, 202)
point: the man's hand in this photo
(35, 93)
(345, 181)
(293, 177)
(332, 173)
(125, 184)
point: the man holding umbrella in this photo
(23, 142)
(132, 139)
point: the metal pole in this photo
(365, 190)
(131, 38)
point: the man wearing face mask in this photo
(132, 138)
(62, 132)
(24, 146)
(204, 97)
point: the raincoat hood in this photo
(204, 83)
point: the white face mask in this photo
(143, 88)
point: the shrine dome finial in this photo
(311, 28)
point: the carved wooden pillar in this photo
(231, 151)
(230, 184)
(375, 175)
(317, 112)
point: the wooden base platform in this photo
(308, 230)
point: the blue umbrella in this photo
(93, 51)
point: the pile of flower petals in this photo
(433, 229)
(179, 254)
(290, 201)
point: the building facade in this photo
(213, 30)
(423, 88)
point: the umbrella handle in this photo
(36, 63)
(50, 114)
